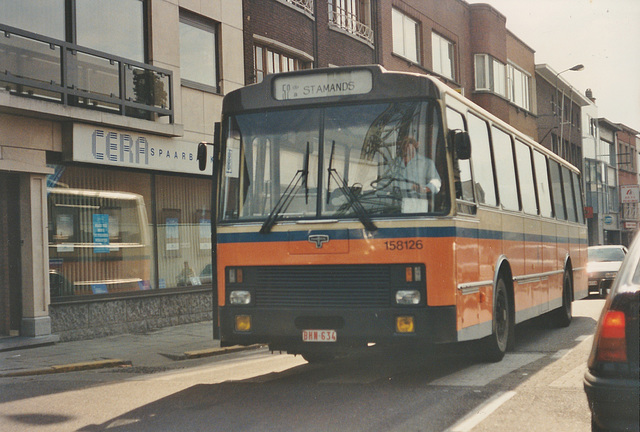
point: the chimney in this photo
(589, 94)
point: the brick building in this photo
(628, 156)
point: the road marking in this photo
(583, 337)
(482, 374)
(472, 419)
(561, 353)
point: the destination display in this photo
(325, 84)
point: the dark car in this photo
(612, 381)
(603, 264)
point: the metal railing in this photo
(348, 20)
(305, 5)
(36, 66)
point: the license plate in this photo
(593, 283)
(319, 336)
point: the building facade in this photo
(560, 108)
(105, 216)
(628, 156)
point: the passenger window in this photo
(462, 173)
(556, 190)
(542, 184)
(505, 170)
(525, 175)
(481, 161)
(568, 194)
(576, 189)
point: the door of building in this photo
(10, 271)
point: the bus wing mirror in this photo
(461, 144)
(202, 147)
(202, 156)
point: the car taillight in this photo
(612, 343)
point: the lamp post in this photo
(575, 68)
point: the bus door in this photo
(466, 247)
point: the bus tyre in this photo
(563, 315)
(495, 346)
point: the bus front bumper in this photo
(283, 329)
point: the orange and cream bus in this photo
(358, 206)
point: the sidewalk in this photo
(161, 348)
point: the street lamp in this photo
(575, 68)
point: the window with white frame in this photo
(443, 56)
(518, 87)
(490, 75)
(405, 36)
(269, 60)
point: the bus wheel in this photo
(495, 346)
(563, 315)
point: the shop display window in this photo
(112, 231)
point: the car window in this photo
(606, 254)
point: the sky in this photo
(603, 35)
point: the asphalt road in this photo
(537, 387)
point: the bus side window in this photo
(556, 190)
(481, 161)
(542, 183)
(569, 196)
(505, 168)
(578, 194)
(525, 175)
(462, 168)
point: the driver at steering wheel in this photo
(418, 171)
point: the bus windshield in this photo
(380, 159)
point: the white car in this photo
(602, 267)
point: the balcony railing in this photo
(348, 21)
(36, 66)
(305, 5)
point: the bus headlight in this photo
(240, 297)
(408, 297)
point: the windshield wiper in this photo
(352, 200)
(288, 194)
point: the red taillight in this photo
(612, 344)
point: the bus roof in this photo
(355, 84)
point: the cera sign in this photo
(113, 147)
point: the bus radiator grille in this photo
(323, 286)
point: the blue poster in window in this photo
(101, 233)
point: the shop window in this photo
(199, 53)
(104, 237)
(184, 231)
